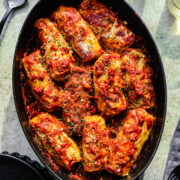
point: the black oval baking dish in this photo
(44, 9)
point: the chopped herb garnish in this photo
(95, 32)
(126, 94)
(110, 20)
(72, 124)
(82, 120)
(126, 88)
(102, 28)
(39, 59)
(89, 6)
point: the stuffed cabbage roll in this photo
(138, 79)
(78, 33)
(127, 146)
(42, 86)
(106, 25)
(51, 134)
(58, 55)
(95, 143)
(108, 84)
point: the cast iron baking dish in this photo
(43, 9)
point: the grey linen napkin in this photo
(174, 153)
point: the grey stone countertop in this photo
(164, 28)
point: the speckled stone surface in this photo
(164, 29)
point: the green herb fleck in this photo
(72, 124)
(110, 20)
(59, 119)
(126, 88)
(102, 28)
(39, 59)
(126, 94)
(89, 6)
